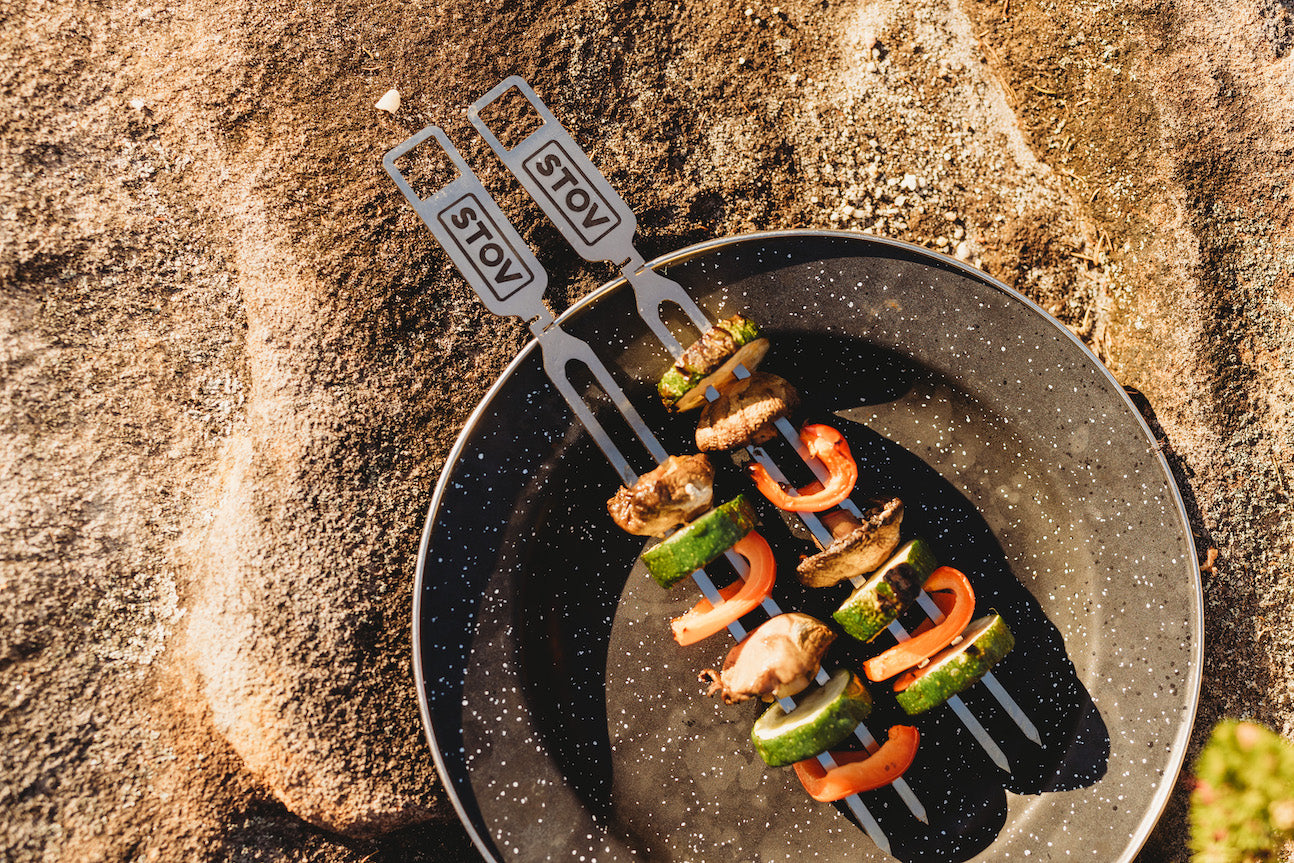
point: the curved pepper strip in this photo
(740, 597)
(829, 447)
(856, 772)
(927, 643)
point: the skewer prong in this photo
(979, 732)
(1017, 714)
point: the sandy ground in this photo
(233, 362)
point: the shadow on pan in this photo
(572, 572)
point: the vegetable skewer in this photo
(558, 348)
(613, 242)
(864, 736)
(896, 629)
(855, 804)
(651, 289)
(900, 785)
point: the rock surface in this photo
(233, 361)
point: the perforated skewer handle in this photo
(503, 271)
(590, 214)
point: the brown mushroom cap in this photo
(677, 491)
(859, 551)
(744, 412)
(777, 660)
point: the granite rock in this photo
(233, 362)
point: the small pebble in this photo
(962, 252)
(390, 102)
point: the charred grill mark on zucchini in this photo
(884, 596)
(700, 542)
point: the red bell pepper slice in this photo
(740, 597)
(856, 772)
(829, 447)
(927, 643)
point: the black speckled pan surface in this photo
(569, 726)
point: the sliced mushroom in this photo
(749, 355)
(777, 660)
(744, 412)
(677, 491)
(860, 545)
(708, 352)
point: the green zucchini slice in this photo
(890, 590)
(822, 720)
(984, 642)
(696, 544)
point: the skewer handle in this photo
(584, 206)
(476, 235)
(573, 194)
(506, 275)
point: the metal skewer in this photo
(584, 207)
(484, 246)
(600, 226)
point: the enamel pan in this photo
(567, 725)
